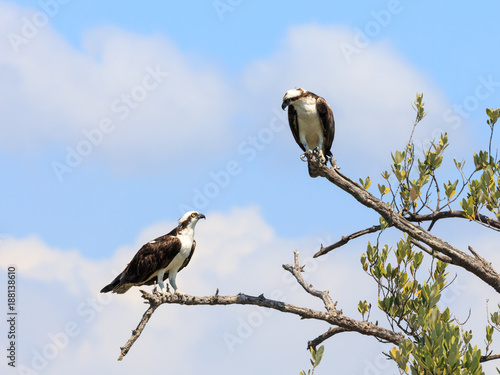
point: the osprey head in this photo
(191, 217)
(291, 96)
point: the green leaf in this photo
(398, 157)
(319, 355)
(495, 318)
(468, 207)
(383, 223)
(493, 116)
(366, 183)
(450, 189)
(362, 307)
(383, 189)
(313, 352)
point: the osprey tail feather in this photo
(116, 287)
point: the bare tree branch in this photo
(441, 257)
(479, 268)
(477, 256)
(480, 218)
(486, 358)
(296, 271)
(346, 239)
(415, 218)
(331, 316)
(137, 332)
(325, 336)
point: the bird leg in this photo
(163, 289)
(171, 279)
(306, 155)
(316, 154)
(333, 162)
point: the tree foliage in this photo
(435, 342)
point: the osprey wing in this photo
(327, 122)
(293, 121)
(151, 258)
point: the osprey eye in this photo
(193, 214)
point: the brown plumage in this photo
(169, 254)
(311, 122)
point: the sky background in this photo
(119, 117)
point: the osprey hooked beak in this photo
(200, 216)
(292, 95)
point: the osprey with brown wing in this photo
(311, 122)
(160, 259)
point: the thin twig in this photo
(441, 257)
(296, 271)
(325, 336)
(346, 239)
(411, 217)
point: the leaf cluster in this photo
(435, 343)
(316, 356)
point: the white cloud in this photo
(57, 288)
(237, 252)
(54, 92)
(155, 96)
(371, 93)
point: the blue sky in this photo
(206, 131)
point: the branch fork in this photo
(331, 316)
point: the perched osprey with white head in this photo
(160, 259)
(312, 124)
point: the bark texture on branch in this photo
(331, 315)
(478, 267)
(137, 332)
(337, 321)
(414, 218)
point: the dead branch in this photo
(414, 218)
(441, 257)
(137, 332)
(331, 315)
(296, 271)
(325, 336)
(480, 218)
(346, 239)
(486, 358)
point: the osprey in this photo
(312, 124)
(160, 259)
